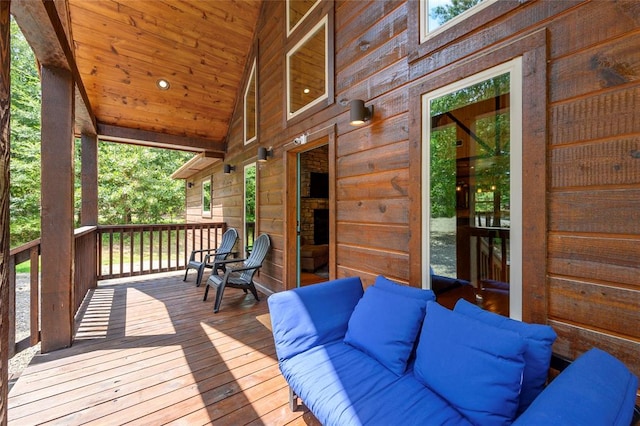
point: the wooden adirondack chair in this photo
(239, 273)
(214, 257)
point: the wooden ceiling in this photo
(123, 47)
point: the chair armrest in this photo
(313, 315)
(227, 261)
(594, 389)
(244, 268)
(216, 252)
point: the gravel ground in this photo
(20, 361)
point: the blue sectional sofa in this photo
(394, 356)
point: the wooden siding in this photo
(150, 351)
(581, 145)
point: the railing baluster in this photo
(111, 252)
(121, 233)
(131, 245)
(160, 231)
(34, 295)
(12, 307)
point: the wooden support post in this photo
(89, 209)
(5, 106)
(57, 241)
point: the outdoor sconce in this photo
(189, 185)
(359, 113)
(228, 168)
(264, 153)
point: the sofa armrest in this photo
(596, 389)
(313, 315)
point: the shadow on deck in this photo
(148, 351)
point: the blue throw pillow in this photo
(386, 284)
(537, 355)
(385, 325)
(476, 367)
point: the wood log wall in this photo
(590, 290)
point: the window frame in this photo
(533, 49)
(455, 29)
(514, 68)
(244, 198)
(290, 30)
(206, 182)
(425, 34)
(252, 76)
(328, 67)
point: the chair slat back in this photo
(261, 246)
(229, 239)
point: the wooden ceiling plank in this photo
(128, 67)
(123, 47)
(169, 36)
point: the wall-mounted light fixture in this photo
(359, 113)
(228, 168)
(264, 153)
(189, 185)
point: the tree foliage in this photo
(447, 12)
(134, 184)
(25, 141)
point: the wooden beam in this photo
(89, 184)
(110, 133)
(57, 217)
(5, 106)
(40, 23)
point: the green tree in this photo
(447, 12)
(25, 141)
(135, 184)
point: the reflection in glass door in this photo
(249, 207)
(470, 180)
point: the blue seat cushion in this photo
(384, 325)
(537, 355)
(383, 283)
(476, 367)
(342, 386)
(302, 318)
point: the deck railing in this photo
(111, 251)
(129, 250)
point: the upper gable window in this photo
(435, 15)
(307, 70)
(297, 11)
(250, 107)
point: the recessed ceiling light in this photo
(163, 84)
(306, 91)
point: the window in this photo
(206, 197)
(437, 14)
(250, 107)
(472, 185)
(307, 67)
(249, 206)
(297, 11)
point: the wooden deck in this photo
(149, 351)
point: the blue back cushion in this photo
(476, 367)
(384, 325)
(314, 315)
(386, 284)
(537, 355)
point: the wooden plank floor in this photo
(149, 351)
